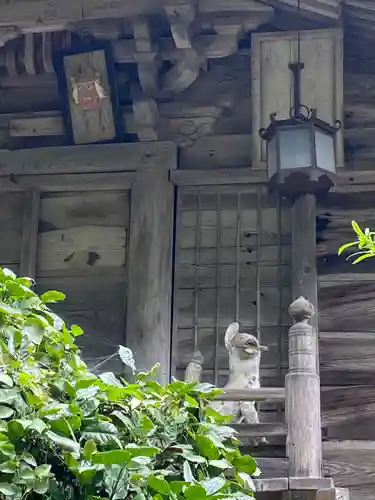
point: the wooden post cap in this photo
(301, 310)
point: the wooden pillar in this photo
(304, 278)
(302, 396)
(30, 234)
(149, 297)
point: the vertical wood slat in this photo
(149, 301)
(218, 262)
(30, 234)
(197, 258)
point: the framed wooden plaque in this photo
(88, 90)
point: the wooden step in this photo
(266, 429)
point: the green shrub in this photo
(66, 433)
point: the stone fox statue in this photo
(244, 362)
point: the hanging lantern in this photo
(301, 149)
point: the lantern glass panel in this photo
(325, 151)
(295, 147)
(272, 156)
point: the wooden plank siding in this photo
(11, 229)
(347, 344)
(82, 247)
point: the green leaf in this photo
(195, 491)
(191, 457)
(6, 380)
(9, 490)
(159, 484)
(347, 245)
(42, 470)
(146, 451)
(357, 229)
(178, 486)
(247, 481)
(111, 457)
(206, 447)
(28, 458)
(7, 449)
(38, 425)
(5, 411)
(8, 467)
(188, 474)
(110, 379)
(103, 433)
(191, 401)
(245, 463)
(76, 330)
(34, 332)
(213, 485)
(3, 426)
(52, 296)
(63, 442)
(127, 357)
(89, 449)
(8, 395)
(18, 427)
(41, 485)
(362, 257)
(220, 464)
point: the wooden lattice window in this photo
(233, 251)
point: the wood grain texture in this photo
(149, 301)
(11, 228)
(93, 158)
(82, 252)
(67, 182)
(349, 463)
(304, 273)
(83, 232)
(30, 234)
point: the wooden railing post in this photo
(302, 397)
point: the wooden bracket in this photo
(181, 17)
(146, 57)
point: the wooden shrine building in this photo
(133, 178)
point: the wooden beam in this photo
(68, 182)
(304, 276)
(30, 234)
(149, 298)
(52, 15)
(218, 177)
(94, 158)
(265, 429)
(274, 394)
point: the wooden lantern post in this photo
(302, 398)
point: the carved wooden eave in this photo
(188, 49)
(31, 31)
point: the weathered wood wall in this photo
(82, 248)
(81, 251)
(11, 222)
